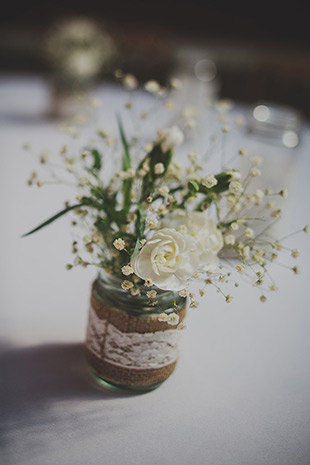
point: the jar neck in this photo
(107, 289)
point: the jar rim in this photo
(107, 288)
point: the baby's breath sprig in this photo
(155, 221)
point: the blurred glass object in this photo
(198, 72)
(273, 132)
(277, 123)
(78, 49)
(205, 70)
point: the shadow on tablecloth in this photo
(34, 377)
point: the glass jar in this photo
(126, 345)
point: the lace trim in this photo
(96, 330)
(131, 350)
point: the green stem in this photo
(53, 218)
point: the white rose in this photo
(203, 230)
(169, 259)
(169, 138)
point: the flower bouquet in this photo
(159, 221)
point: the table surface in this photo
(241, 392)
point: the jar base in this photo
(114, 386)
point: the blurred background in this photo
(250, 52)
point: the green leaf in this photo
(120, 217)
(126, 164)
(126, 156)
(141, 227)
(127, 184)
(156, 155)
(96, 192)
(223, 181)
(53, 218)
(193, 187)
(103, 225)
(97, 165)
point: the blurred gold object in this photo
(78, 49)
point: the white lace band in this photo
(131, 350)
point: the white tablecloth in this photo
(241, 392)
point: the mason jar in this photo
(126, 344)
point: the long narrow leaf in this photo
(53, 218)
(126, 164)
(141, 228)
(126, 156)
